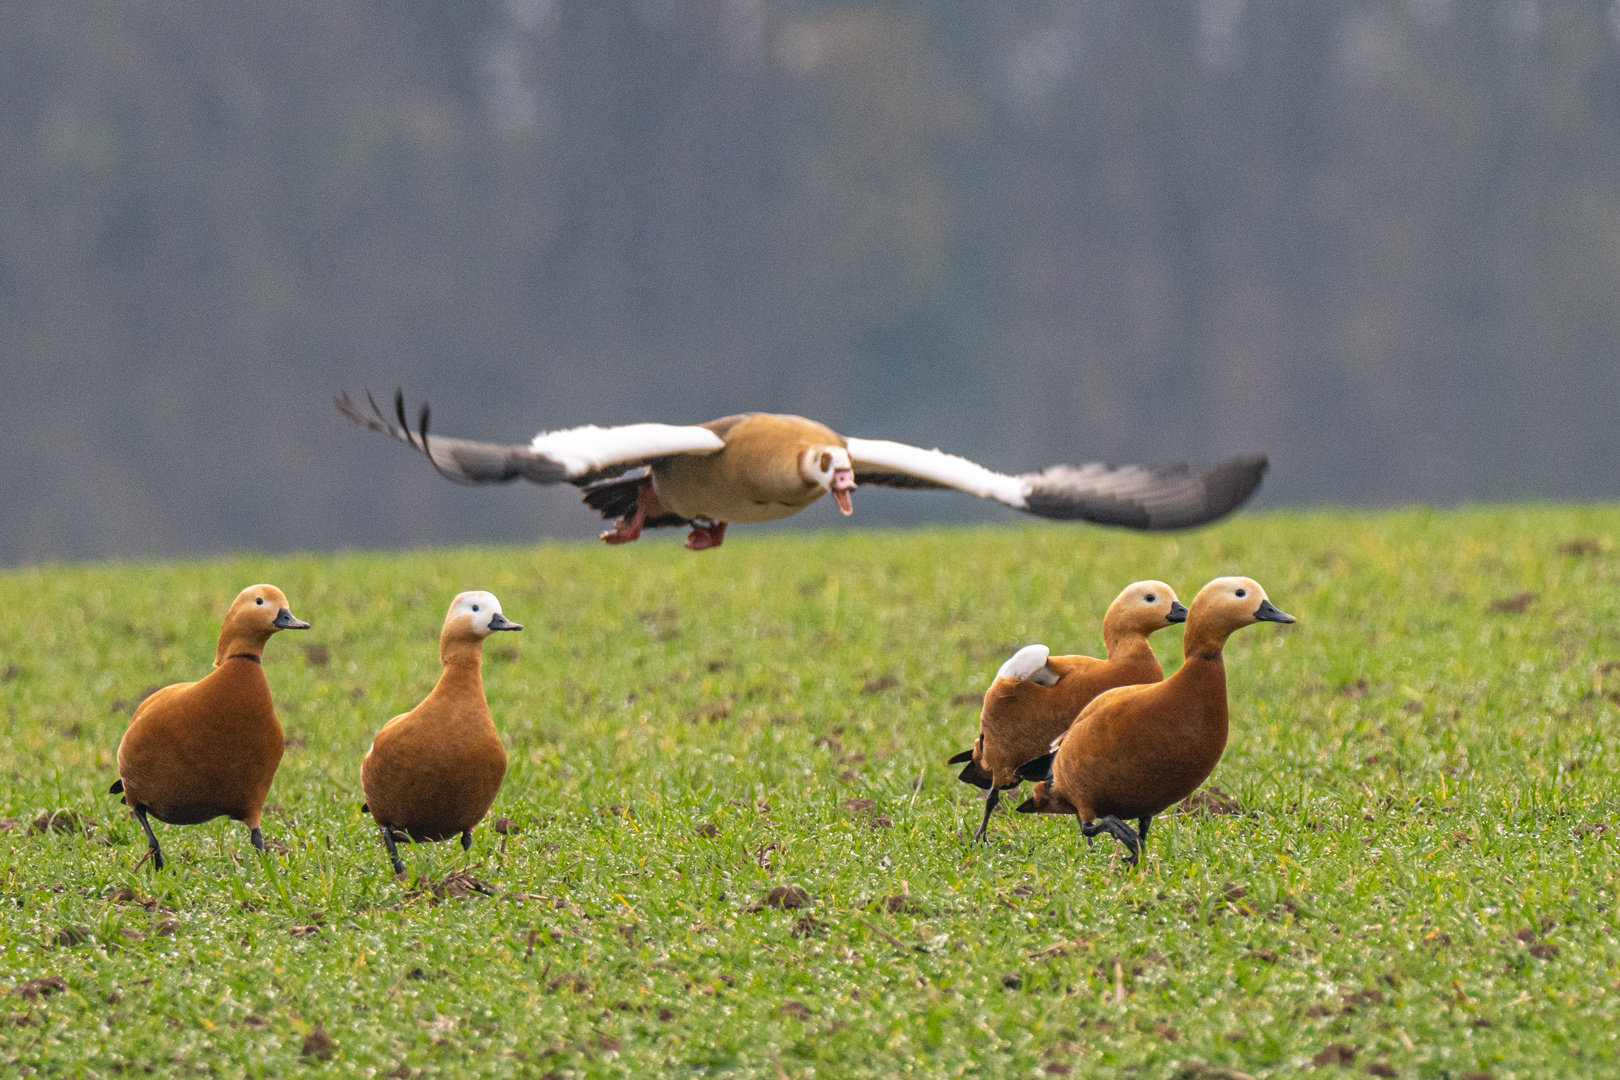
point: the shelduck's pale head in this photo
(1143, 607)
(477, 614)
(1231, 603)
(830, 468)
(257, 612)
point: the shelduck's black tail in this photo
(966, 755)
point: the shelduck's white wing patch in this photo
(1029, 664)
(892, 464)
(1133, 496)
(591, 449)
(577, 456)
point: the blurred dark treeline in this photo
(1378, 239)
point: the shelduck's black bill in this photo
(285, 620)
(1267, 613)
(966, 755)
(501, 622)
(1178, 612)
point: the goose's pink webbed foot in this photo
(704, 537)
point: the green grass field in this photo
(1421, 882)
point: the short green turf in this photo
(1421, 880)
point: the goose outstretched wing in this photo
(1133, 496)
(579, 456)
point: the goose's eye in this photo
(826, 461)
(1243, 592)
(1150, 598)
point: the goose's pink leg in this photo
(704, 537)
(629, 528)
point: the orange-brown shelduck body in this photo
(433, 772)
(1029, 704)
(1137, 750)
(200, 750)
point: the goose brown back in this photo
(206, 749)
(433, 772)
(1030, 703)
(1137, 750)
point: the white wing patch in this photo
(583, 450)
(938, 466)
(1026, 663)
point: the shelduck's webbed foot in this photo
(466, 840)
(1119, 831)
(706, 536)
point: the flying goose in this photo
(206, 749)
(763, 466)
(1136, 750)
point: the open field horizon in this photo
(1420, 877)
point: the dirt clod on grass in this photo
(456, 886)
(69, 936)
(796, 1009)
(887, 681)
(1379, 1068)
(1209, 800)
(43, 986)
(707, 830)
(783, 898)
(505, 826)
(1335, 1054)
(1517, 604)
(318, 1044)
(62, 821)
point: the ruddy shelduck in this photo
(1137, 750)
(206, 749)
(1036, 696)
(761, 466)
(431, 773)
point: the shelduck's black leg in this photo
(257, 838)
(151, 838)
(989, 808)
(1089, 830)
(393, 852)
(1142, 824)
(466, 840)
(1124, 834)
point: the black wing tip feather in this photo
(1038, 769)
(1169, 497)
(966, 755)
(117, 787)
(461, 461)
(970, 775)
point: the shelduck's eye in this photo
(260, 601)
(1151, 598)
(1243, 592)
(475, 606)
